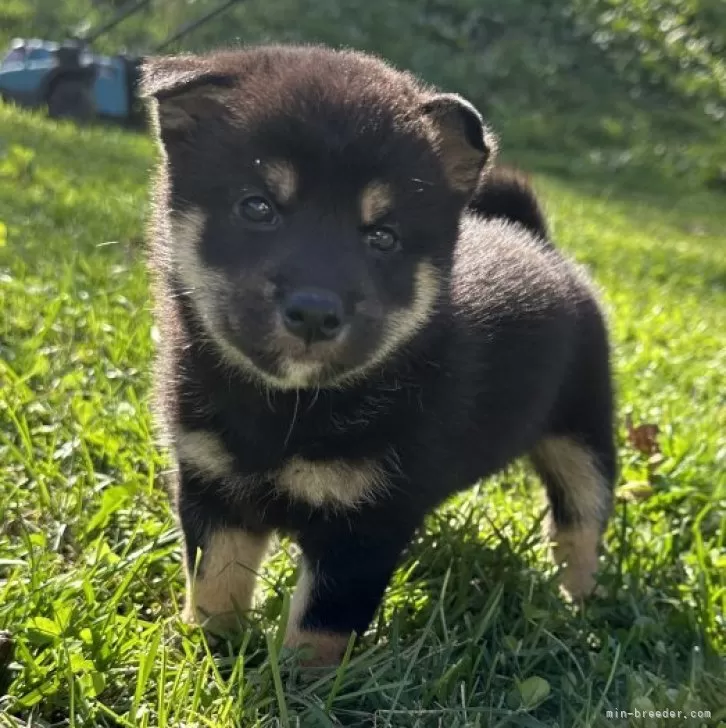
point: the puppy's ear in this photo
(183, 90)
(464, 143)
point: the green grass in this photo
(472, 632)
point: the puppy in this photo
(344, 343)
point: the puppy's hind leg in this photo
(579, 482)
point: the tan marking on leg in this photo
(323, 648)
(375, 201)
(225, 580)
(575, 469)
(281, 179)
(587, 498)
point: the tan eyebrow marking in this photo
(281, 179)
(375, 201)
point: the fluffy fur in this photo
(505, 193)
(437, 340)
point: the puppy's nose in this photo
(313, 315)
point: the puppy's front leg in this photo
(341, 582)
(221, 585)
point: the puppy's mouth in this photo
(307, 349)
(307, 362)
(284, 361)
(258, 342)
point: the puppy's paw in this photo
(577, 552)
(317, 649)
(217, 628)
(577, 581)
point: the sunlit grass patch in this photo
(473, 631)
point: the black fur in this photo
(505, 193)
(512, 350)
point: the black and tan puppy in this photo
(343, 344)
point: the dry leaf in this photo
(643, 438)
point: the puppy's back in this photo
(502, 269)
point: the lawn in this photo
(472, 632)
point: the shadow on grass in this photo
(473, 627)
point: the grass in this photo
(472, 632)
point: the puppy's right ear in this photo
(183, 90)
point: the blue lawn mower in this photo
(73, 82)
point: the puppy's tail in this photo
(506, 193)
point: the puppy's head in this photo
(313, 200)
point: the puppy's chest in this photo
(323, 467)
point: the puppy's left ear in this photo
(464, 143)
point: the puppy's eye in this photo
(382, 239)
(256, 209)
